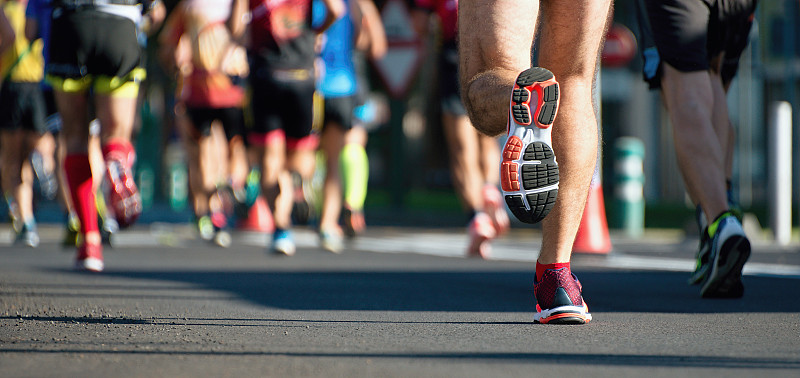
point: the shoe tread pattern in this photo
(535, 176)
(520, 96)
(524, 180)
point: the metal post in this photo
(781, 175)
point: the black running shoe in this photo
(730, 249)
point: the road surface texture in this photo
(398, 302)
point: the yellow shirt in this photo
(29, 69)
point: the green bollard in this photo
(629, 186)
(146, 181)
(148, 156)
(178, 177)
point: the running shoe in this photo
(730, 249)
(122, 194)
(703, 259)
(72, 229)
(283, 243)
(481, 230)
(331, 240)
(48, 183)
(354, 223)
(108, 227)
(222, 237)
(529, 172)
(238, 196)
(559, 300)
(27, 235)
(492, 204)
(252, 187)
(303, 207)
(90, 258)
(205, 228)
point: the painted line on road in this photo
(450, 245)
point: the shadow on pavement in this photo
(471, 291)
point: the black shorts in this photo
(282, 100)
(22, 106)
(688, 34)
(232, 120)
(449, 87)
(339, 110)
(89, 48)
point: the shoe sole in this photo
(223, 239)
(282, 249)
(354, 224)
(725, 278)
(563, 315)
(529, 172)
(89, 264)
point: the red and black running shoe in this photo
(559, 300)
(528, 172)
(122, 195)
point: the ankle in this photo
(541, 268)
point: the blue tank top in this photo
(338, 77)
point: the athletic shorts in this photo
(282, 100)
(339, 110)
(688, 34)
(93, 49)
(232, 120)
(22, 106)
(449, 87)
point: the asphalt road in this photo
(399, 302)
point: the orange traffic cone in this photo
(592, 235)
(258, 218)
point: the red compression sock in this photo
(541, 268)
(121, 150)
(79, 180)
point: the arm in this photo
(31, 29)
(7, 35)
(154, 17)
(32, 11)
(336, 9)
(237, 21)
(371, 36)
(169, 41)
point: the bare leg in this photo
(13, 147)
(116, 115)
(465, 160)
(496, 48)
(580, 25)
(492, 52)
(332, 144)
(489, 159)
(276, 183)
(689, 97)
(75, 129)
(24, 192)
